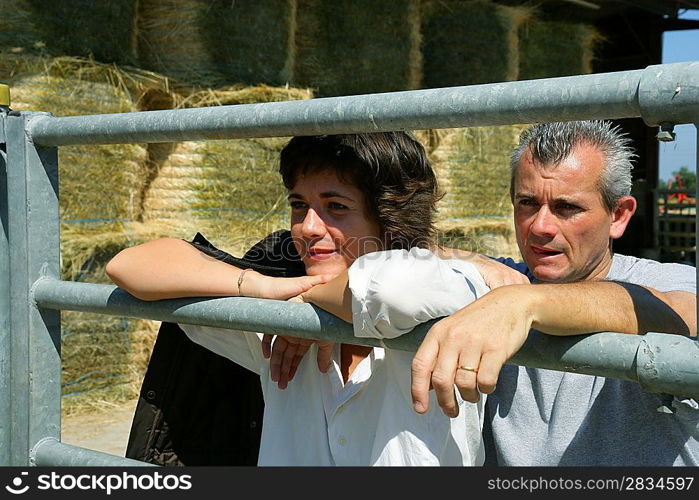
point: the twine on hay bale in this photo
(470, 42)
(348, 47)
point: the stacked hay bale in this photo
(100, 188)
(473, 169)
(549, 49)
(217, 43)
(347, 47)
(228, 190)
(104, 30)
(469, 42)
(18, 29)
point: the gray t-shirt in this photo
(545, 417)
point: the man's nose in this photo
(313, 224)
(545, 223)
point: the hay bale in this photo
(251, 41)
(98, 183)
(19, 31)
(493, 236)
(104, 30)
(140, 84)
(346, 47)
(228, 190)
(217, 43)
(469, 42)
(104, 358)
(550, 49)
(15, 63)
(472, 166)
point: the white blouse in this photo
(319, 420)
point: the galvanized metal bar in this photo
(651, 93)
(5, 339)
(32, 179)
(607, 95)
(673, 366)
(49, 452)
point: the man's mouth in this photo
(544, 252)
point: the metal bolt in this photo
(667, 132)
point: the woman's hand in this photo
(286, 353)
(260, 286)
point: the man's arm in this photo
(392, 292)
(486, 333)
(494, 273)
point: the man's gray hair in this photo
(550, 143)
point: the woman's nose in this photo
(313, 224)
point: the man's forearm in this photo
(575, 308)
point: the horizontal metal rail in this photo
(50, 452)
(662, 93)
(658, 362)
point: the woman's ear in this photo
(621, 216)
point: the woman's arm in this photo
(170, 268)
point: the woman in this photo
(349, 195)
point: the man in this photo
(570, 188)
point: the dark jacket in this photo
(196, 407)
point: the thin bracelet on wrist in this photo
(240, 281)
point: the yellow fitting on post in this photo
(4, 95)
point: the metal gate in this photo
(32, 295)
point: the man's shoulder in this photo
(663, 276)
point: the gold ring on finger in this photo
(468, 368)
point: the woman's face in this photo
(330, 225)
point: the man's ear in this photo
(621, 216)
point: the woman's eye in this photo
(297, 205)
(333, 205)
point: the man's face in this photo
(563, 227)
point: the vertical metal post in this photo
(32, 181)
(5, 352)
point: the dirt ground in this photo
(106, 431)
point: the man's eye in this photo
(333, 205)
(297, 205)
(568, 207)
(526, 203)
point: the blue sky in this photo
(679, 46)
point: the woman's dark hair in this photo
(390, 168)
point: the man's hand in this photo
(497, 274)
(285, 354)
(487, 332)
(494, 273)
(483, 336)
